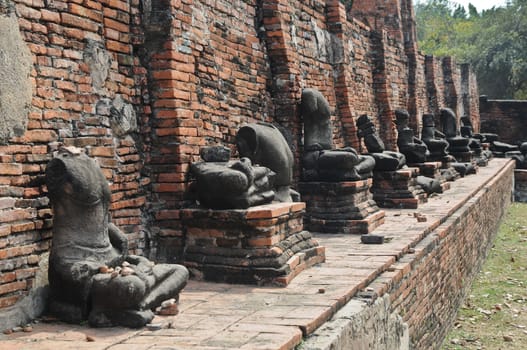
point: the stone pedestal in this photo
(266, 244)
(398, 189)
(340, 207)
(463, 157)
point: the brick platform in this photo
(340, 207)
(414, 269)
(398, 189)
(266, 244)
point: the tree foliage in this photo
(493, 41)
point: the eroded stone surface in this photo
(15, 68)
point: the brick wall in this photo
(470, 97)
(414, 302)
(506, 118)
(208, 74)
(142, 85)
(520, 185)
(83, 65)
(444, 264)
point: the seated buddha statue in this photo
(434, 139)
(414, 149)
(322, 162)
(458, 144)
(384, 160)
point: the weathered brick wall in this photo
(208, 73)
(404, 78)
(452, 82)
(85, 94)
(520, 185)
(438, 275)
(142, 85)
(507, 118)
(470, 95)
(420, 95)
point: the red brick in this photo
(10, 169)
(85, 12)
(8, 301)
(12, 287)
(50, 16)
(79, 22)
(40, 136)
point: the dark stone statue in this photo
(458, 144)
(265, 145)
(414, 149)
(497, 147)
(475, 142)
(468, 132)
(429, 184)
(384, 160)
(320, 161)
(434, 139)
(224, 184)
(503, 148)
(91, 275)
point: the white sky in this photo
(481, 4)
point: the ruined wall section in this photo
(453, 90)
(208, 75)
(84, 93)
(142, 85)
(352, 71)
(418, 97)
(16, 89)
(470, 95)
(434, 86)
(507, 118)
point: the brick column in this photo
(285, 90)
(336, 18)
(387, 130)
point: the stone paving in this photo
(217, 316)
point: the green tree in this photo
(493, 41)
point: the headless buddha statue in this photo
(414, 149)
(91, 275)
(434, 139)
(458, 144)
(384, 160)
(321, 162)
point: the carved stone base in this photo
(464, 157)
(266, 244)
(340, 207)
(398, 189)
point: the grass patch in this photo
(494, 316)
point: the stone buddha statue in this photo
(225, 184)
(414, 149)
(265, 145)
(321, 162)
(458, 144)
(384, 160)
(468, 132)
(475, 142)
(91, 274)
(434, 139)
